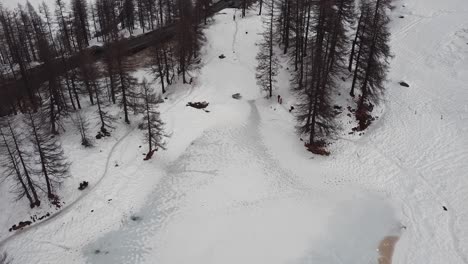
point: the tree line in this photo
(30, 148)
(327, 41)
(30, 36)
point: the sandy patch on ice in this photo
(386, 247)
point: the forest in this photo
(329, 44)
(233, 131)
(52, 37)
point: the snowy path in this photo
(72, 205)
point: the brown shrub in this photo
(318, 148)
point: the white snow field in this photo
(35, 3)
(236, 185)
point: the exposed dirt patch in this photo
(386, 248)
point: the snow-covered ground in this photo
(237, 186)
(35, 3)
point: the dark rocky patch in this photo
(404, 84)
(364, 117)
(44, 216)
(20, 225)
(198, 105)
(55, 200)
(83, 185)
(103, 133)
(135, 218)
(318, 148)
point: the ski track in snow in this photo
(442, 201)
(421, 59)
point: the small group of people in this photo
(280, 101)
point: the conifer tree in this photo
(18, 55)
(327, 51)
(15, 143)
(372, 65)
(128, 14)
(159, 68)
(82, 125)
(267, 68)
(104, 117)
(54, 102)
(188, 37)
(64, 25)
(245, 4)
(80, 22)
(125, 83)
(152, 122)
(12, 166)
(50, 156)
(185, 36)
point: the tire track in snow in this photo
(442, 200)
(75, 202)
(284, 177)
(234, 44)
(418, 59)
(406, 29)
(234, 38)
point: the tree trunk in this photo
(287, 28)
(42, 158)
(17, 170)
(351, 56)
(356, 71)
(270, 79)
(25, 168)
